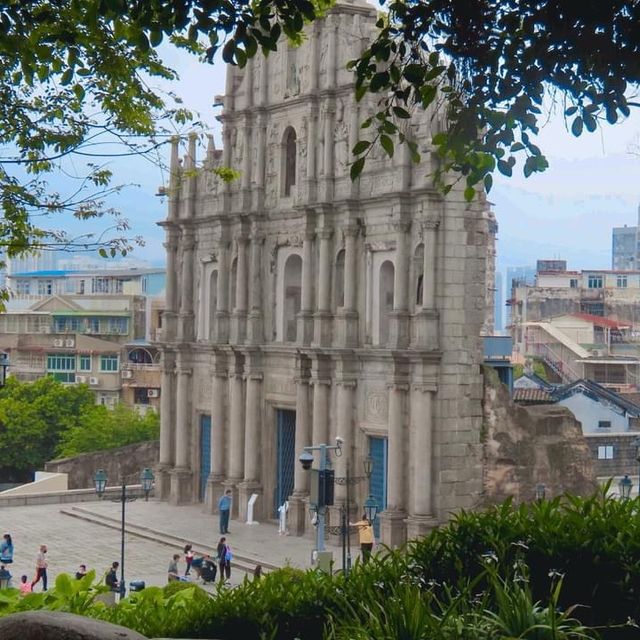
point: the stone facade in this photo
(356, 305)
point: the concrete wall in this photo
(524, 446)
(43, 482)
(126, 461)
(589, 412)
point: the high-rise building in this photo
(625, 247)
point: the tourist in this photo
(111, 579)
(173, 568)
(41, 568)
(365, 532)
(188, 558)
(5, 577)
(25, 585)
(224, 560)
(81, 572)
(6, 549)
(224, 507)
(257, 572)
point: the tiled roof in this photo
(531, 396)
(600, 321)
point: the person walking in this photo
(365, 533)
(224, 508)
(6, 549)
(224, 560)
(41, 568)
(188, 558)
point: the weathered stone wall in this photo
(118, 463)
(524, 446)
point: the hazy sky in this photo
(567, 212)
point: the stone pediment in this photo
(55, 303)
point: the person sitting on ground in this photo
(81, 572)
(111, 579)
(173, 568)
(25, 585)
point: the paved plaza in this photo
(160, 529)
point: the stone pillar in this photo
(298, 500)
(345, 406)
(185, 321)
(320, 416)
(167, 422)
(347, 316)
(322, 325)
(255, 333)
(425, 334)
(252, 446)
(399, 325)
(216, 477)
(181, 475)
(392, 520)
(305, 317)
(169, 315)
(329, 125)
(236, 435)
(261, 159)
(312, 151)
(421, 519)
(240, 312)
(222, 297)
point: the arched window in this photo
(339, 280)
(385, 301)
(418, 275)
(232, 283)
(290, 151)
(140, 356)
(292, 291)
(213, 302)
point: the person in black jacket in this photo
(224, 560)
(111, 579)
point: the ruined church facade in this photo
(302, 306)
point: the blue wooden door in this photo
(378, 480)
(286, 455)
(205, 452)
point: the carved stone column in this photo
(425, 334)
(399, 326)
(252, 442)
(255, 334)
(305, 317)
(323, 317)
(218, 420)
(236, 434)
(181, 476)
(167, 422)
(421, 519)
(345, 402)
(347, 316)
(239, 327)
(298, 500)
(222, 297)
(320, 416)
(392, 520)
(185, 319)
(169, 315)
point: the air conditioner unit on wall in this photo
(58, 342)
(127, 374)
(94, 381)
(153, 393)
(81, 379)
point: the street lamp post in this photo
(625, 485)
(344, 530)
(306, 460)
(146, 480)
(636, 444)
(4, 365)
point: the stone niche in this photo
(525, 446)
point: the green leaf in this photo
(360, 147)
(469, 194)
(387, 144)
(505, 168)
(576, 126)
(399, 112)
(488, 182)
(356, 168)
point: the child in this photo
(188, 558)
(25, 585)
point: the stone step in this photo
(242, 561)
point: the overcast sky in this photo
(567, 212)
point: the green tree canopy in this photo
(74, 70)
(104, 428)
(33, 416)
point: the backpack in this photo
(228, 555)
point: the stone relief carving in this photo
(293, 73)
(294, 239)
(376, 407)
(341, 140)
